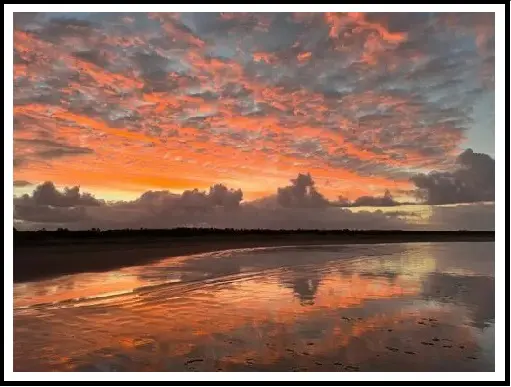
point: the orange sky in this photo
(122, 105)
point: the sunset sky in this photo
(140, 109)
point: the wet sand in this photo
(36, 260)
(361, 308)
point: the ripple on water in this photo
(336, 308)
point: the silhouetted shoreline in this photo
(44, 254)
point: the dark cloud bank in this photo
(473, 181)
(298, 205)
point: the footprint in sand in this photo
(392, 349)
(410, 353)
(351, 368)
(426, 343)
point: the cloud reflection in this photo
(271, 317)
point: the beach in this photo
(33, 260)
(348, 308)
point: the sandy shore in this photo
(44, 260)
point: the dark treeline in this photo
(63, 234)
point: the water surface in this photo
(395, 307)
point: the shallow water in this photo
(394, 307)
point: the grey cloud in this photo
(20, 19)
(377, 201)
(47, 214)
(21, 183)
(154, 71)
(48, 205)
(48, 149)
(343, 201)
(55, 29)
(164, 202)
(301, 193)
(473, 181)
(54, 153)
(93, 56)
(223, 208)
(308, 146)
(47, 195)
(302, 207)
(435, 67)
(477, 216)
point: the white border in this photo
(500, 81)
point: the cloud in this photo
(21, 183)
(376, 201)
(48, 216)
(476, 216)
(43, 149)
(48, 206)
(301, 193)
(472, 181)
(363, 100)
(296, 206)
(47, 195)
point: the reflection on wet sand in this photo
(349, 308)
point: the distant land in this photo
(44, 254)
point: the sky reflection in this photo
(331, 309)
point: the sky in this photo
(277, 120)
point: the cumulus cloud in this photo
(472, 181)
(47, 204)
(298, 205)
(301, 193)
(193, 200)
(47, 194)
